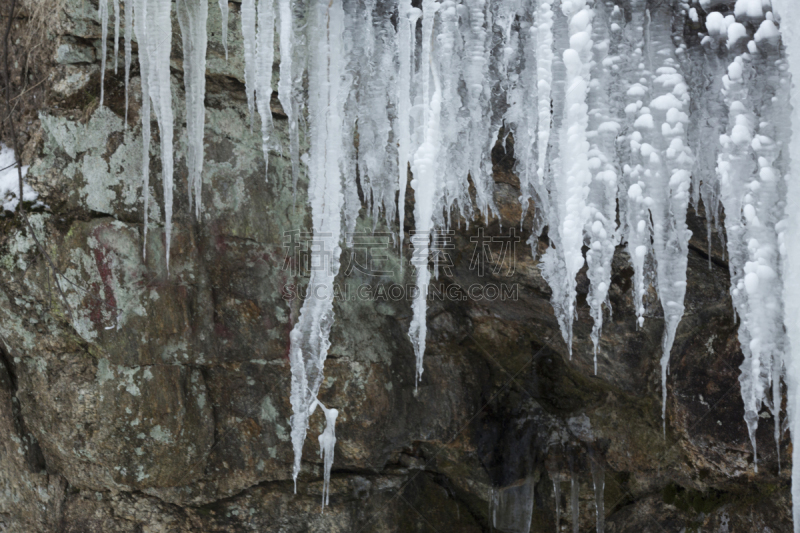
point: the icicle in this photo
(286, 82)
(633, 197)
(140, 20)
(598, 479)
(544, 69)
(574, 503)
(426, 184)
(223, 11)
(408, 17)
(249, 39)
(513, 507)
(667, 160)
(103, 13)
(571, 184)
(116, 35)
(602, 199)
(192, 17)
(327, 91)
(327, 443)
(373, 58)
(750, 189)
(790, 19)
(153, 27)
(475, 67)
(522, 118)
(263, 76)
(128, 51)
(557, 497)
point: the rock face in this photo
(133, 399)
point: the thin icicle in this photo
(192, 17)
(128, 51)
(249, 41)
(285, 82)
(265, 53)
(599, 481)
(116, 35)
(557, 497)
(544, 69)
(223, 11)
(408, 17)
(103, 14)
(140, 20)
(574, 502)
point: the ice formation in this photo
(128, 53)
(153, 28)
(223, 12)
(192, 17)
(596, 103)
(574, 502)
(102, 12)
(327, 91)
(265, 50)
(790, 250)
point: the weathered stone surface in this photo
(147, 400)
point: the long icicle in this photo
(326, 97)
(265, 51)
(103, 14)
(425, 183)
(128, 52)
(249, 38)
(192, 17)
(790, 19)
(116, 35)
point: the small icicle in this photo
(249, 38)
(598, 478)
(140, 14)
(116, 35)
(406, 26)
(285, 84)
(128, 51)
(574, 503)
(327, 443)
(103, 13)
(265, 51)
(557, 496)
(223, 10)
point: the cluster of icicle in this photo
(598, 108)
